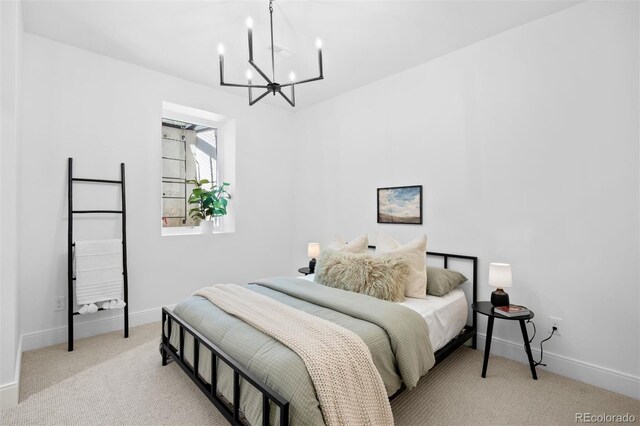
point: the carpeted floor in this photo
(108, 380)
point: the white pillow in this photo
(357, 245)
(415, 253)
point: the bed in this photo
(445, 315)
(228, 361)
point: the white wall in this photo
(527, 146)
(10, 82)
(102, 112)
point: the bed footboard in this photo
(231, 411)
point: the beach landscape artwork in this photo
(402, 204)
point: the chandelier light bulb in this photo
(292, 76)
(319, 43)
(249, 23)
(221, 49)
(248, 74)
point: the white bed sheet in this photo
(445, 315)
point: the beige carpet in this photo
(108, 380)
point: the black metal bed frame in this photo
(468, 332)
(232, 414)
(231, 411)
(71, 245)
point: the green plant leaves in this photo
(209, 203)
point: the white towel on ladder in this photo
(99, 271)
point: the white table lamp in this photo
(313, 251)
(500, 278)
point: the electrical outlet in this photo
(58, 303)
(557, 323)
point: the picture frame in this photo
(400, 205)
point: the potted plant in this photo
(210, 204)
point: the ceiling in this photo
(363, 41)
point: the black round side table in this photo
(486, 308)
(306, 271)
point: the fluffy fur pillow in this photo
(357, 245)
(415, 253)
(382, 276)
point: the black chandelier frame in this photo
(272, 86)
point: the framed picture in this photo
(400, 204)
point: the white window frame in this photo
(226, 159)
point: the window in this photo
(192, 150)
(189, 152)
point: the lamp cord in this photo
(553, 330)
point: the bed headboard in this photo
(474, 283)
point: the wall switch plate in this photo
(58, 303)
(557, 323)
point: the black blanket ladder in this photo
(71, 245)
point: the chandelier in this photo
(272, 86)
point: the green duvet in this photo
(396, 336)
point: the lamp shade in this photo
(500, 275)
(313, 250)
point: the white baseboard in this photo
(54, 336)
(602, 377)
(10, 392)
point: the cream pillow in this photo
(357, 245)
(415, 253)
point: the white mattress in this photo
(445, 315)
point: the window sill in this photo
(190, 230)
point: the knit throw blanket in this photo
(347, 383)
